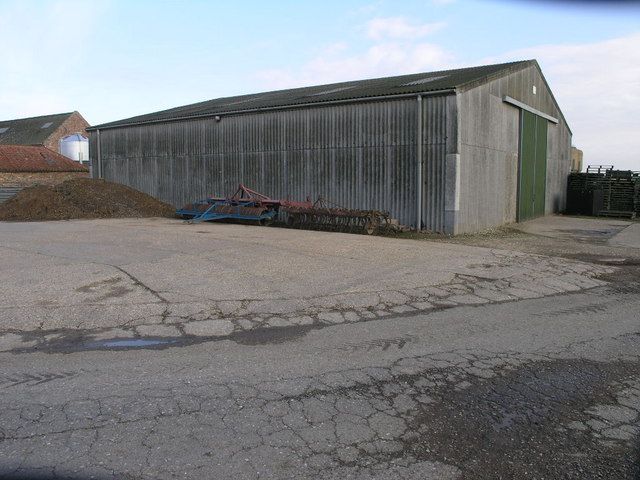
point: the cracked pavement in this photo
(545, 384)
(454, 394)
(103, 279)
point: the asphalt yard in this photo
(133, 278)
(153, 349)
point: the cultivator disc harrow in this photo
(244, 205)
(247, 204)
(203, 211)
(322, 217)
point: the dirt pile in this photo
(82, 198)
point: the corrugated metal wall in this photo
(360, 155)
(434, 154)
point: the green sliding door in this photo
(533, 166)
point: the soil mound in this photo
(82, 198)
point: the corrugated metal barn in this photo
(452, 151)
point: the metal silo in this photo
(75, 147)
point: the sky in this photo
(112, 59)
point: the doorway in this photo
(532, 178)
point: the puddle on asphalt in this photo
(598, 237)
(84, 344)
(132, 342)
(71, 342)
(80, 343)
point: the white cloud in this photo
(400, 27)
(394, 48)
(598, 88)
(379, 60)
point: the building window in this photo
(47, 125)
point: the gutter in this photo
(419, 166)
(281, 107)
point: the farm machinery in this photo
(244, 204)
(248, 205)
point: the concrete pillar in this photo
(452, 193)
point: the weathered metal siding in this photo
(435, 140)
(489, 148)
(360, 155)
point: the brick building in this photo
(25, 165)
(46, 130)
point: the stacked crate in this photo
(619, 190)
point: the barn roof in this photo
(32, 130)
(35, 158)
(429, 82)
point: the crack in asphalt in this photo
(235, 324)
(540, 276)
(139, 283)
(478, 414)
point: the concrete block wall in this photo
(489, 139)
(489, 135)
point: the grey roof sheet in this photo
(29, 131)
(403, 84)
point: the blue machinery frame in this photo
(236, 210)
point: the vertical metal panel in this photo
(360, 155)
(434, 134)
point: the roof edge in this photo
(185, 113)
(68, 114)
(109, 126)
(514, 67)
(76, 112)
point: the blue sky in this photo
(114, 59)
